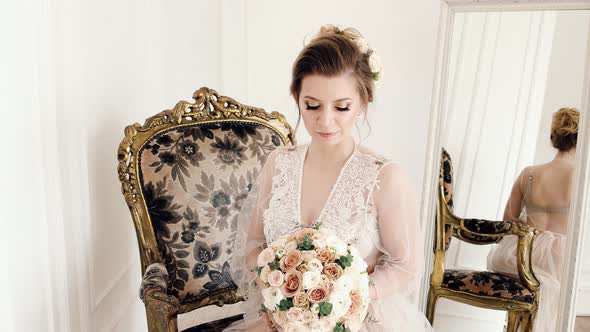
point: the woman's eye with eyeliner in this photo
(309, 107)
(343, 109)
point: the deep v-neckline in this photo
(334, 185)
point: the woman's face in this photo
(329, 107)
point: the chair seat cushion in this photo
(214, 326)
(485, 283)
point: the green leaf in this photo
(325, 308)
(262, 308)
(285, 304)
(306, 243)
(275, 265)
(258, 270)
(339, 327)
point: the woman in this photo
(338, 184)
(540, 197)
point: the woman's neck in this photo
(330, 154)
(568, 156)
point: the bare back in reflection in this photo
(540, 197)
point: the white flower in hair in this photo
(361, 43)
(375, 65)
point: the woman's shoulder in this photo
(374, 156)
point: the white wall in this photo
(76, 72)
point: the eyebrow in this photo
(337, 100)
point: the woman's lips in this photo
(327, 134)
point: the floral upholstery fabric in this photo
(491, 227)
(194, 179)
(484, 283)
(446, 175)
(155, 276)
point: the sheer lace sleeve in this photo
(400, 267)
(250, 229)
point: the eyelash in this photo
(341, 109)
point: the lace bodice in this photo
(349, 204)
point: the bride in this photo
(337, 184)
(541, 197)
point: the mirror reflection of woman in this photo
(540, 197)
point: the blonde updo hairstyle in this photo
(330, 53)
(564, 128)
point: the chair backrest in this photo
(446, 186)
(185, 174)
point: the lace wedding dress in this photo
(547, 256)
(371, 204)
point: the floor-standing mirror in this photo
(508, 171)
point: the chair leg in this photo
(431, 305)
(529, 322)
(513, 321)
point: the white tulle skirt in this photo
(391, 314)
(547, 255)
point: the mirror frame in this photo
(580, 198)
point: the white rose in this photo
(336, 245)
(295, 314)
(294, 327)
(340, 304)
(272, 296)
(315, 308)
(266, 256)
(361, 43)
(264, 273)
(314, 264)
(375, 62)
(311, 279)
(344, 284)
(358, 263)
(279, 243)
(363, 285)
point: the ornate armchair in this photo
(185, 173)
(517, 295)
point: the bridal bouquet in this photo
(314, 281)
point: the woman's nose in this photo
(325, 118)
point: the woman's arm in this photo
(514, 203)
(400, 263)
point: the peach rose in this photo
(333, 270)
(292, 283)
(291, 260)
(317, 294)
(301, 234)
(355, 297)
(295, 314)
(266, 256)
(324, 255)
(276, 278)
(308, 255)
(294, 327)
(300, 300)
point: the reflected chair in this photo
(519, 296)
(185, 174)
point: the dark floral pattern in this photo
(484, 283)
(195, 180)
(491, 227)
(161, 207)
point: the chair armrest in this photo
(161, 308)
(154, 278)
